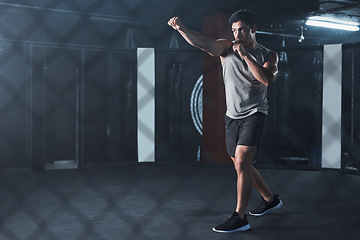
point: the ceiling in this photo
(277, 19)
(291, 27)
(341, 7)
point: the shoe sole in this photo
(273, 208)
(241, 229)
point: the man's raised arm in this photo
(214, 47)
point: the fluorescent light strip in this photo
(334, 20)
(331, 25)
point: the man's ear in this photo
(254, 28)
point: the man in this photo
(248, 69)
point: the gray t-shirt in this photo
(244, 94)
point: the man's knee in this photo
(244, 155)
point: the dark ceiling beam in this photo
(68, 13)
(345, 6)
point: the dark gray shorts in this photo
(245, 131)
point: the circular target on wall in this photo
(196, 106)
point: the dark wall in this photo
(68, 84)
(177, 139)
(294, 127)
(351, 107)
(68, 74)
(13, 106)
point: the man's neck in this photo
(252, 44)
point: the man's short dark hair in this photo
(245, 16)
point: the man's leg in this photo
(242, 162)
(248, 177)
(244, 155)
(260, 185)
(270, 201)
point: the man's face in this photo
(243, 34)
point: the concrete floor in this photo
(153, 201)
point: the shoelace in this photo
(232, 218)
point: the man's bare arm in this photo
(214, 47)
(267, 73)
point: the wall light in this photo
(333, 22)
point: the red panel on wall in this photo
(214, 148)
